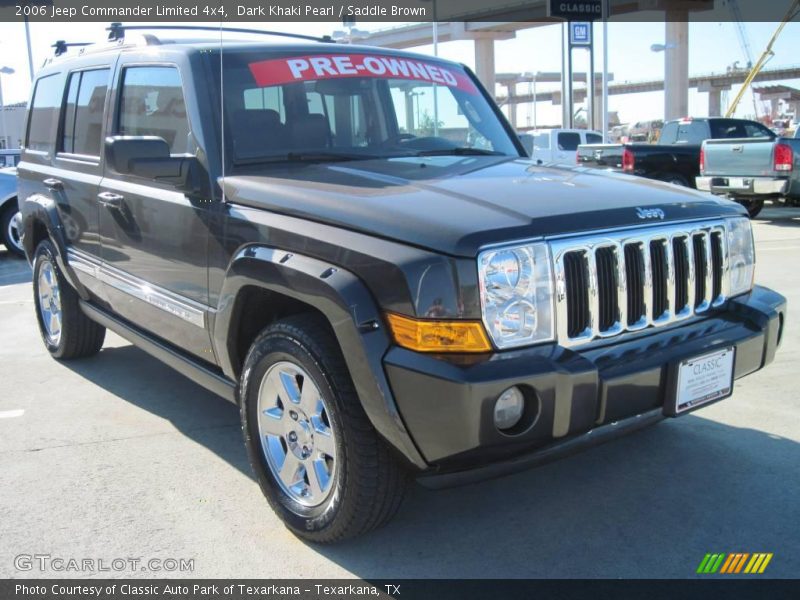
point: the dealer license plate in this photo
(704, 379)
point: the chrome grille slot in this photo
(577, 293)
(659, 268)
(632, 279)
(634, 270)
(607, 277)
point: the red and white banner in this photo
(280, 71)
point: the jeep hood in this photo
(455, 205)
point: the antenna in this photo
(116, 31)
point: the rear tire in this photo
(11, 229)
(753, 206)
(353, 483)
(66, 331)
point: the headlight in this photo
(517, 294)
(741, 256)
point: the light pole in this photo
(4, 71)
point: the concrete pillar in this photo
(676, 64)
(714, 103)
(512, 104)
(484, 63)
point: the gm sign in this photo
(575, 10)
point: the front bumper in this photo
(743, 186)
(447, 402)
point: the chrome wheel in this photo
(296, 435)
(49, 298)
(14, 232)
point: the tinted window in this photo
(44, 113)
(754, 130)
(152, 104)
(568, 140)
(668, 134)
(593, 138)
(692, 132)
(353, 106)
(731, 129)
(83, 113)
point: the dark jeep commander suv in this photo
(349, 243)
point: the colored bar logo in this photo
(734, 562)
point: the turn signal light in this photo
(423, 335)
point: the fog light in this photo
(508, 408)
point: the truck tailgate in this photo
(740, 157)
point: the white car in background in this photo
(557, 145)
(10, 222)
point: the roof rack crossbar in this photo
(116, 31)
(61, 46)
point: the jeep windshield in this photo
(353, 106)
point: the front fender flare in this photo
(349, 308)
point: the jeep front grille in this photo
(610, 283)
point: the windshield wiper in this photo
(458, 151)
(306, 157)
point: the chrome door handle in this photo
(110, 199)
(53, 183)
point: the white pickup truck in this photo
(557, 145)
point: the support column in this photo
(512, 104)
(676, 64)
(484, 63)
(714, 103)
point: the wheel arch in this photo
(263, 284)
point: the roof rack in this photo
(116, 31)
(61, 46)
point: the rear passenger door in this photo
(62, 158)
(154, 237)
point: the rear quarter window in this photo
(45, 108)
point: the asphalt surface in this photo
(118, 456)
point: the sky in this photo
(712, 48)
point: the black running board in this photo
(184, 365)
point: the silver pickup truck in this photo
(752, 170)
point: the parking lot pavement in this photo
(117, 456)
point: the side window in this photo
(593, 138)
(568, 140)
(152, 103)
(541, 141)
(83, 113)
(44, 114)
(753, 130)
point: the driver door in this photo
(154, 237)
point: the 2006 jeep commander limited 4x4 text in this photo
(349, 243)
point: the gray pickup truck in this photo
(752, 170)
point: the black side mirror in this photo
(148, 157)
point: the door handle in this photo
(110, 199)
(53, 183)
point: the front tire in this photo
(320, 463)
(66, 331)
(11, 229)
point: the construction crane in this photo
(744, 44)
(794, 10)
